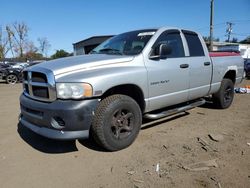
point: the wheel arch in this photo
(13, 73)
(131, 90)
(230, 74)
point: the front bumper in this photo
(73, 117)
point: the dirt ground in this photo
(171, 145)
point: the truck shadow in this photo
(51, 146)
(91, 144)
(43, 144)
(146, 124)
(208, 105)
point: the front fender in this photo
(103, 79)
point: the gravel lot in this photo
(171, 144)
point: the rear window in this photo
(194, 45)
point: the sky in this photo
(64, 22)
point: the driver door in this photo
(168, 79)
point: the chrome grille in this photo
(39, 85)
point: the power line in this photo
(239, 34)
(239, 21)
(207, 27)
(224, 23)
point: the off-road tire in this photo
(117, 122)
(224, 97)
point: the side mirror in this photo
(161, 51)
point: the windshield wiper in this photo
(115, 51)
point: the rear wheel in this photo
(224, 97)
(117, 122)
(246, 74)
(11, 79)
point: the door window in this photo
(173, 40)
(194, 44)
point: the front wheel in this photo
(224, 97)
(117, 122)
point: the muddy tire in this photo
(117, 122)
(224, 97)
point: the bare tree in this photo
(16, 41)
(18, 33)
(10, 39)
(30, 47)
(44, 46)
(4, 44)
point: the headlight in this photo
(73, 90)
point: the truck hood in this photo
(68, 64)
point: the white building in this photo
(226, 46)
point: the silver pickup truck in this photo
(151, 73)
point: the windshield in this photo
(130, 43)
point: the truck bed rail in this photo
(224, 53)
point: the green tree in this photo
(33, 56)
(60, 53)
(234, 40)
(246, 40)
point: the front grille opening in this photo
(39, 85)
(39, 91)
(31, 111)
(25, 75)
(39, 77)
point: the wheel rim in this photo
(11, 79)
(122, 123)
(228, 94)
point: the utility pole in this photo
(211, 24)
(229, 30)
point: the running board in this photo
(175, 110)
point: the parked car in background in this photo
(20, 65)
(31, 63)
(9, 74)
(247, 68)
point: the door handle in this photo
(183, 66)
(206, 63)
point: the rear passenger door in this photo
(200, 67)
